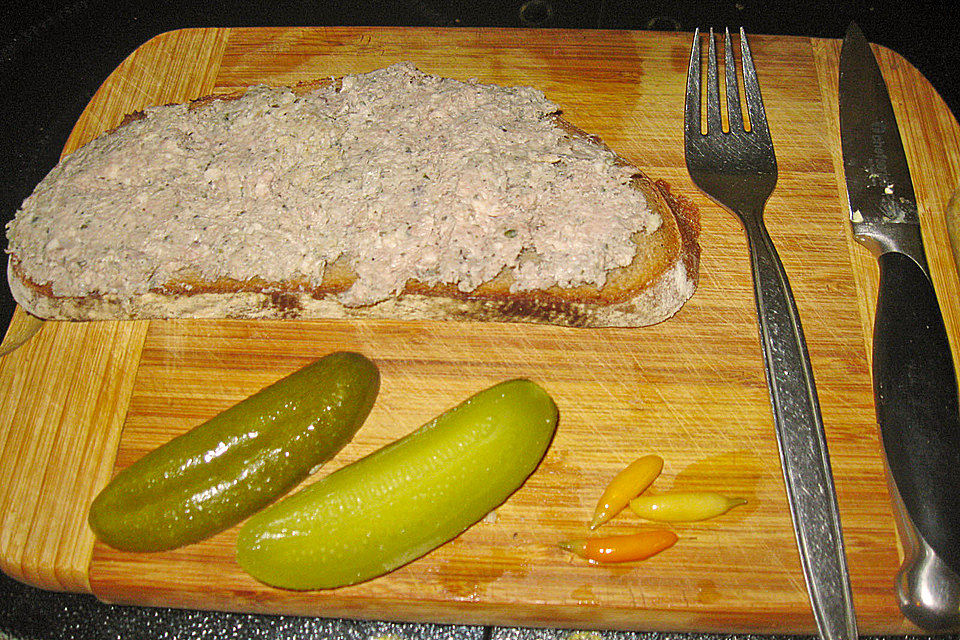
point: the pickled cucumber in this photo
(216, 474)
(405, 499)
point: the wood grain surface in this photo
(80, 401)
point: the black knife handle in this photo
(917, 408)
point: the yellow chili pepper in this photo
(623, 548)
(683, 506)
(627, 484)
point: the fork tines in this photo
(755, 119)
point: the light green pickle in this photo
(220, 472)
(406, 499)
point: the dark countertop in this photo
(55, 53)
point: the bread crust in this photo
(661, 278)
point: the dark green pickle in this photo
(236, 463)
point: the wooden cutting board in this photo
(82, 400)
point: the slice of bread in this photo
(51, 276)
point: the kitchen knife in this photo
(915, 385)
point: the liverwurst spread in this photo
(396, 173)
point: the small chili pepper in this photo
(622, 548)
(683, 506)
(627, 484)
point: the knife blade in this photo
(915, 385)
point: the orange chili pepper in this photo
(627, 484)
(624, 548)
(683, 506)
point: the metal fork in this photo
(738, 170)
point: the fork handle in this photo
(801, 440)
